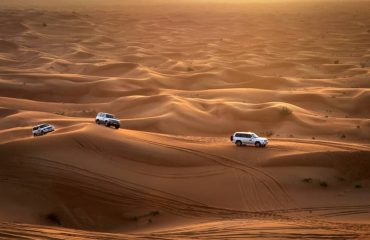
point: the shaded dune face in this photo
(182, 78)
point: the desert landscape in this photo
(182, 77)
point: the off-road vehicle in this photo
(42, 129)
(108, 120)
(248, 138)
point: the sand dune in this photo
(125, 185)
(182, 78)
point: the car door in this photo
(104, 118)
(248, 139)
(243, 138)
(42, 129)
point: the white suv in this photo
(108, 120)
(42, 129)
(248, 138)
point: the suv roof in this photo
(41, 124)
(244, 132)
(101, 113)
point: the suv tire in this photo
(116, 126)
(238, 143)
(258, 144)
(97, 121)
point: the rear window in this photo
(238, 135)
(110, 116)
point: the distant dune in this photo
(182, 78)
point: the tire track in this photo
(278, 193)
(250, 170)
(344, 146)
(116, 190)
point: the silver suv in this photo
(248, 138)
(42, 129)
(108, 120)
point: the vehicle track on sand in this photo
(240, 230)
(272, 187)
(343, 146)
(121, 192)
(255, 191)
(114, 190)
(210, 230)
(257, 174)
(330, 211)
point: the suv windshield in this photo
(254, 135)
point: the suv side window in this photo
(238, 135)
(247, 135)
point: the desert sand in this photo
(182, 77)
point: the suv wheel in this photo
(258, 144)
(116, 126)
(107, 124)
(238, 143)
(97, 121)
